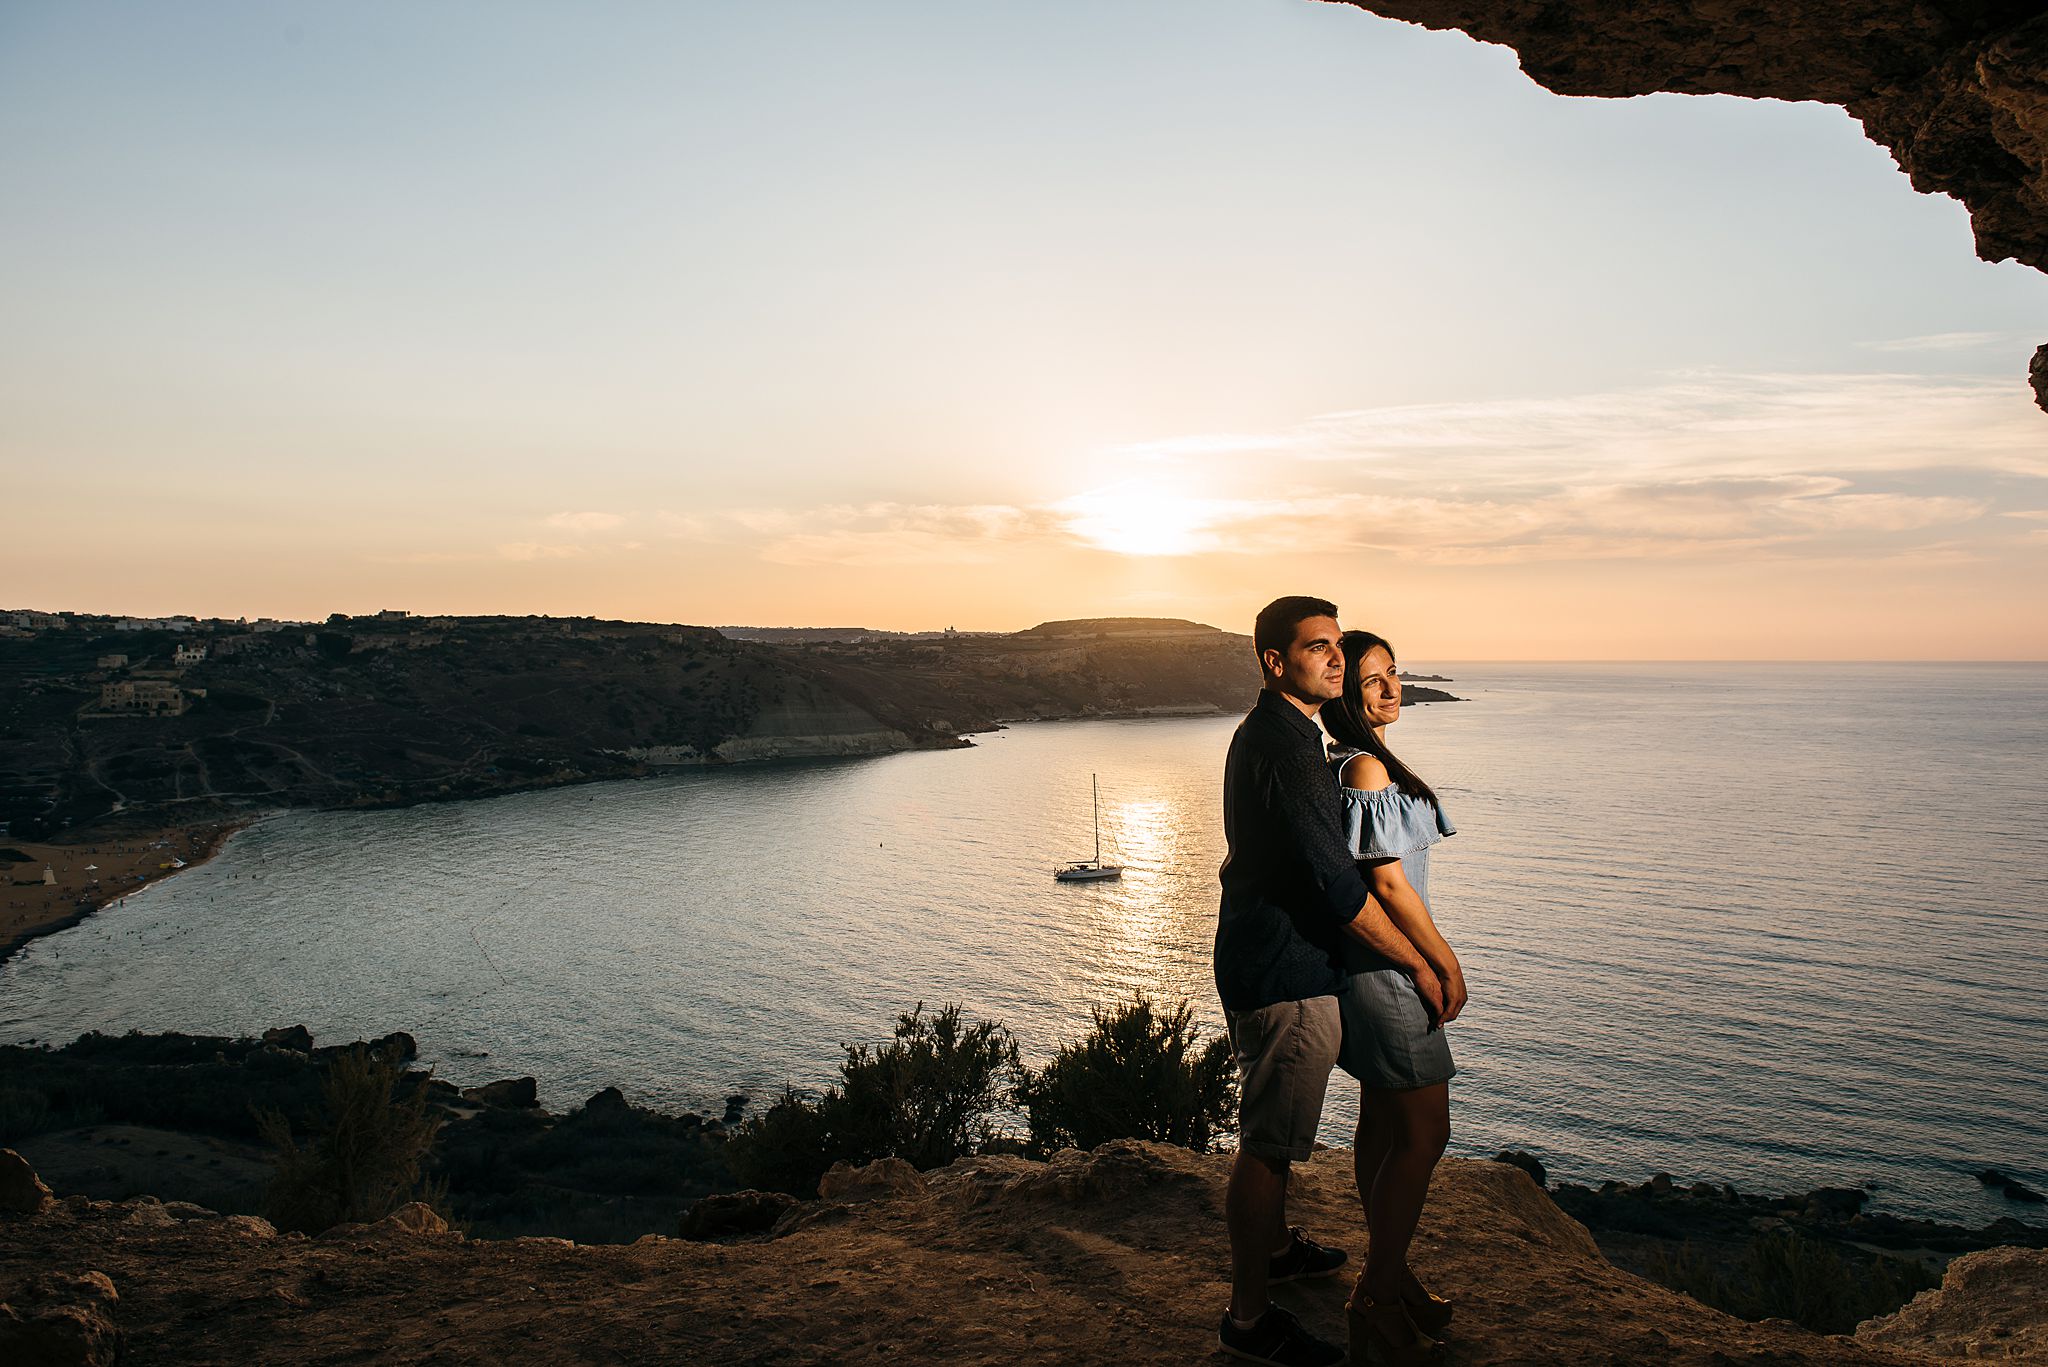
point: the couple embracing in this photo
(1326, 957)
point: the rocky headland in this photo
(1112, 1256)
(113, 727)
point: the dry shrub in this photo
(367, 1154)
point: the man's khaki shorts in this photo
(1284, 1055)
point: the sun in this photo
(1135, 518)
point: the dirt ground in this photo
(93, 873)
(1115, 1257)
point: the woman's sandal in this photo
(1432, 1314)
(1384, 1335)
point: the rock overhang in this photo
(1955, 90)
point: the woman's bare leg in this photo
(1417, 1126)
(1370, 1144)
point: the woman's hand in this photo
(1454, 992)
(1431, 990)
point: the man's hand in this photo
(1432, 993)
(1454, 994)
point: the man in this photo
(1290, 893)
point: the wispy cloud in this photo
(535, 550)
(1706, 465)
(1703, 466)
(1940, 341)
(894, 533)
(586, 522)
(1691, 425)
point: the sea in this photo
(1774, 925)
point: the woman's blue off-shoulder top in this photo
(1386, 823)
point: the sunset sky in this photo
(915, 313)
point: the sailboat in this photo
(1091, 870)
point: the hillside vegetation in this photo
(386, 711)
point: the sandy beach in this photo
(50, 887)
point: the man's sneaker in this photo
(1304, 1259)
(1278, 1338)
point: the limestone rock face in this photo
(1992, 1304)
(21, 1191)
(1956, 90)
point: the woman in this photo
(1391, 1045)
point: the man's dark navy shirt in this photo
(1289, 883)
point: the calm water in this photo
(1775, 925)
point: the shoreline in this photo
(35, 908)
(21, 925)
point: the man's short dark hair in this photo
(1273, 628)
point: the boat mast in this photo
(1096, 785)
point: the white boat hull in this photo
(1088, 873)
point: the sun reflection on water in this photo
(1135, 935)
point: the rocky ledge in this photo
(1112, 1256)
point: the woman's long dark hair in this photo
(1345, 719)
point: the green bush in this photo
(785, 1148)
(368, 1152)
(928, 1097)
(178, 1082)
(1784, 1276)
(1139, 1074)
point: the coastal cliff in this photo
(1113, 1256)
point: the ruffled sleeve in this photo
(1387, 823)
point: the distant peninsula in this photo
(184, 721)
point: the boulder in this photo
(610, 1101)
(21, 1191)
(737, 1212)
(1838, 1202)
(882, 1180)
(62, 1320)
(396, 1047)
(1660, 1185)
(296, 1038)
(981, 1178)
(1527, 1162)
(416, 1217)
(147, 1212)
(1120, 1168)
(521, 1093)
